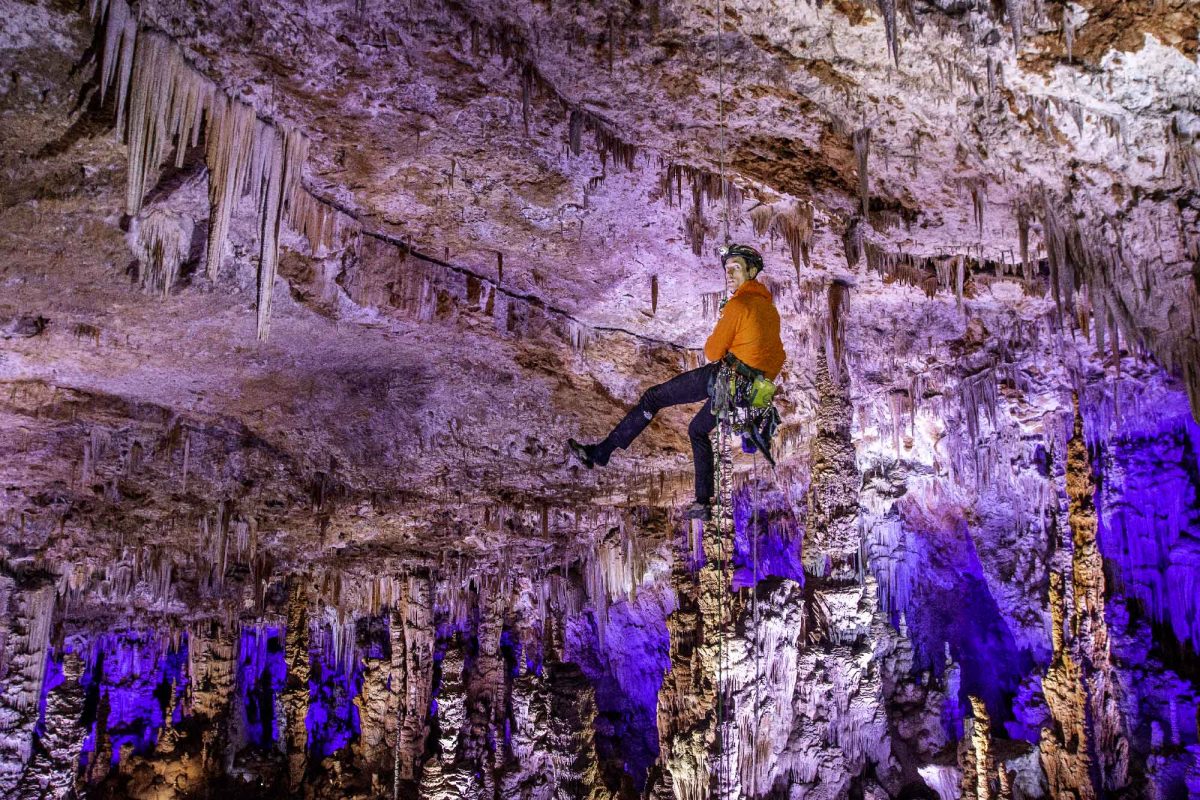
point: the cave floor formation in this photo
(300, 302)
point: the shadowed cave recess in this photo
(299, 303)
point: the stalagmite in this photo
(294, 701)
(980, 779)
(161, 241)
(1089, 626)
(27, 614)
(413, 653)
(1081, 686)
(52, 770)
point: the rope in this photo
(754, 616)
(722, 766)
(721, 121)
(725, 473)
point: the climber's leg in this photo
(702, 452)
(690, 387)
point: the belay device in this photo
(744, 397)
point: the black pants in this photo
(690, 387)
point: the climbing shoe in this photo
(700, 511)
(582, 453)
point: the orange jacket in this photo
(749, 328)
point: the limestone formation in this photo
(299, 303)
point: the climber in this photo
(747, 332)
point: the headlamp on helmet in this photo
(752, 257)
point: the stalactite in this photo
(120, 36)
(761, 217)
(852, 242)
(707, 188)
(580, 335)
(321, 225)
(230, 141)
(887, 9)
(653, 295)
(960, 267)
(862, 148)
(1022, 214)
(1182, 152)
(575, 131)
(978, 191)
(167, 101)
(1056, 252)
(835, 331)
(167, 105)
(527, 86)
(711, 303)
(277, 161)
(795, 225)
(1068, 32)
(1016, 21)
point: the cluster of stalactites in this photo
(164, 104)
(1087, 270)
(707, 188)
(793, 223)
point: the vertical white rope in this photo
(725, 507)
(754, 616)
(721, 121)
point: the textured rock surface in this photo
(299, 301)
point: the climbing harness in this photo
(744, 396)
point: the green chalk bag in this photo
(762, 392)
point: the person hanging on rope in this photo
(747, 334)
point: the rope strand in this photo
(721, 121)
(757, 647)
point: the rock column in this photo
(25, 617)
(694, 747)
(1086, 752)
(53, 769)
(840, 723)
(294, 700)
